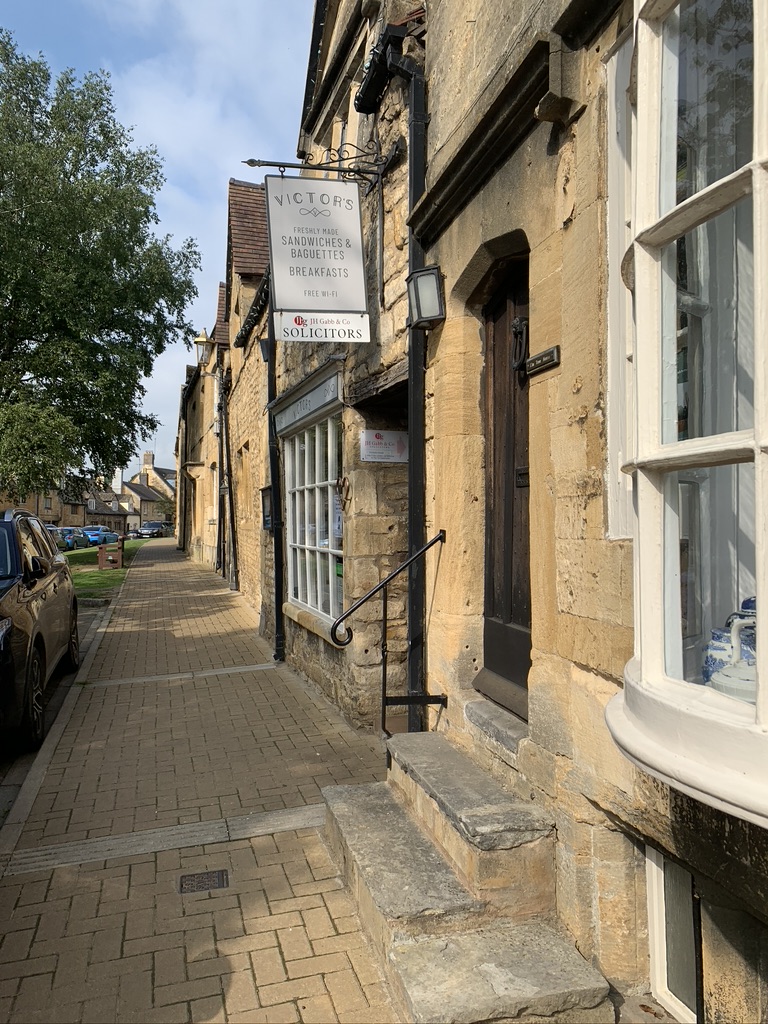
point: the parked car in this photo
(38, 621)
(153, 529)
(69, 538)
(100, 535)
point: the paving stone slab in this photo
(499, 972)
(485, 814)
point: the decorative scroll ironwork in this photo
(350, 162)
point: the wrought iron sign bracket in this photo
(367, 166)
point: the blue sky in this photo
(209, 83)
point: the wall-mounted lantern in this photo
(204, 347)
(426, 306)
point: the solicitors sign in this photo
(316, 260)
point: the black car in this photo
(38, 621)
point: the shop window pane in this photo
(708, 345)
(325, 583)
(710, 578)
(707, 81)
(322, 452)
(311, 579)
(323, 499)
(311, 469)
(338, 568)
(311, 500)
(292, 531)
(300, 521)
(336, 424)
(300, 451)
(295, 573)
(338, 522)
(302, 555)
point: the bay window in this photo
(694, 710)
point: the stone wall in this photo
(550, 196)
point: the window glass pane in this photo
(710, 578)
(311, 517)
(323, 499)
(338, 568)
(708, 346)
(680, 938)
(295, 573)
(322, 452)
(310, 441)
(299, 451)
(288, 448)
(325, 584)
(302, 574)
(707, 84)
(312, 579)
(337, 468)
(338, 522)
(300, 522)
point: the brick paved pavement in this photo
(188, 750)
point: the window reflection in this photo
(708, 344)
(709, 124)
(710, 578)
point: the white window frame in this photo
(309, 488)
(619, 394)
(695, 739)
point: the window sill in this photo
(308, 619)
(694, 739)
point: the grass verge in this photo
(93, 582)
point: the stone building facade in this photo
(585, 426)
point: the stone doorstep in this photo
(401, 884)
(502, 971)
(502, 848)
(448, 958)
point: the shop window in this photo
(314, 517)
(693, 711)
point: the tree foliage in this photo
(89, 294)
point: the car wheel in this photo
(33, 725)
(72, 657)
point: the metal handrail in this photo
(411, 698)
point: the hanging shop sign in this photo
(317, 271)
(383, 446)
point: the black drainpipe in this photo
(417, 125)
(232, 566)
(277, 498)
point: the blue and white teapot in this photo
(730, 656)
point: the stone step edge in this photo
(500, 971)
(428, 760)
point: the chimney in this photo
(149, 459)
(144, 479)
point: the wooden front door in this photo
(507, 627)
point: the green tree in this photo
(89, 294)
